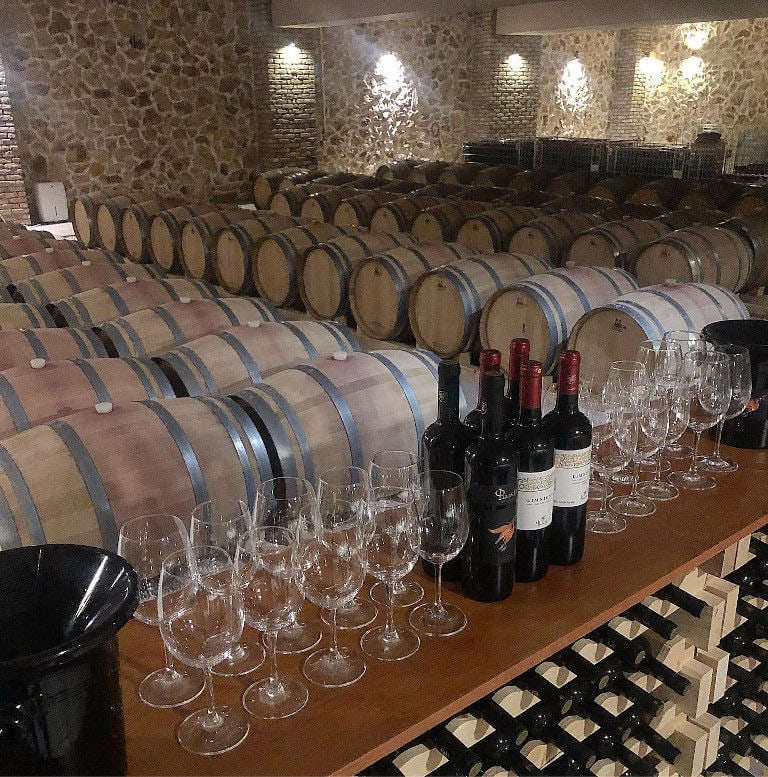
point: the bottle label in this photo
(572, 477)
(493, 509)
(535, 492)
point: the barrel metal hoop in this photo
(12, 401)
(116, 338)
(33, 286)
(92, 480)
(740, 306)
(733, 237)
(577, 290)
(174, 295)
(210, 382)
(36, 344)
(35, 265)
(246, 243)
(609, 276)
(680, 308)
(343, 336)
(117, 300)
(303, 339)
(554, 315)
(93, 377)
(648, 323)
(499, 240)
(410, 396)
(27, 504)
(9, 532)
(223, 307)
(195, 472)
(497, 282)
(83, 335)
(471, 306)
(347, 419)
(399, 280)
(245, 356)
(71, 280)
(178, 336)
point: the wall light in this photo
(692, 68)
(390, 69)
(651, 68)
(574, 70)
(290, 54)
(515, 62)
(696, 35)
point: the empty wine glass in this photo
(392, 552)
(331, 552)
(708, 378)
(625, 378)
(614, 439)
(278, 503)
(221, 523)
(267, 574)
(443, 524)
(144, 542)
(350, 484)
(741, 390)
(201, 616)
(591, 404)
(399, 472)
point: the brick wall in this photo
(13, 198)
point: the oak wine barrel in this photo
(753, 201)
(165, 233)
(578, 203)
(550, 237)
(288, 202)
(235, 246)
(5, 296)
(321, 206)
(336, 413)
(324, 281)
(110, 213)
(136, 224)
(84, 213)
(266, 184)
(279, 259)
(492, 230)
(19, 346)
(59, 284)
(28, 242)
(380, 285)
(8, 228)
(496, 175)
(699, 254)
(633, 211)
(397, 171)
(18, 315)
(26, 266)
(446, 303)
(571, 183)
(719, 194)
(331, 179)
(441, 223)
(398, 215)
(754, 229)
(197, 240)
(357, 211)
(689, 217)
(102, 469)
(544, 308)
(531, 179)
(463, 173)
(615, 330)
(154, 331)
(95, 306)
(616, 188)
(42, 390)
(234, 358)
(526, 197)
(428, 172)
(664, 191)
(615, 243)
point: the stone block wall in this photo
(13, 198)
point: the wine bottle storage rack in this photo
(626, 699)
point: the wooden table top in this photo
(340, 731)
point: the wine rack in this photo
(676, 685)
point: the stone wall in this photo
(13, 198)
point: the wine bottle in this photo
(738, 743)
(752, 576)
(610, 744)
(628, 650)
(558, 699)
(637, 721)
(461, 760)
(575, 751)
(724, 765)
(444, 444)
(535, 720)
(748, 685)
(535, 478)
(572, 435)
(643, 700)
(682, 599)
(758, 547)
(513, 729)
(490, 361)
(519, 352)
(652, 620)
(616, 726)
(598, 675)
(730, 704)
(490, 477)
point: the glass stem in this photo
(635, 477)
(209, 690)
(439, 586)
(274, 677)
(719, 436)
(334, 634)
(657, 477)
(603, 495)
(168, 659)
(389, 626)
(694, 469)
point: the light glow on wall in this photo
(692, 68)
(573, 94)
(516, 63)
(390, 69)
(290, 54)
(696, 35)
(652, 69)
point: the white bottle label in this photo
(535, 493)
(572, 477)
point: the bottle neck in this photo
(448, 399)
(530, 396)
(492, 406)
(568, 383)
(567, 403)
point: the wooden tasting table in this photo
(343, 730)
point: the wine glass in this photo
(627, 378)
(267, 574)
(350, 484)
(614, 439)
(443, 524)
(591, 404)
(398, 471)
(741, 390)
(331, 552)
(201, 617)
(278, 503)
(220, 523)
(709, 384)
(392, 552)
(144, 542)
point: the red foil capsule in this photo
(519, 352)
(568, 373)
(530, 385)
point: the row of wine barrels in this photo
(614, 330)
(446, 303)
(235, 247)
(42, 390)
(96, 306)
(496, 175)
(398, 215)
(720, 194)
(59, 284)
(545, 308)
(324, 279)
(110, 214)
(84, 210)
(26, 266)
(615, 243)
(135, 228)
(9, 228)
(754, 200)
(142, 457)
(380, 285)
(277, 264)
(689, 217)
(198, 238)
(574, 182)
(634, 211)
(700, 254)
(266, 184)
(165, 233)
(357, 211)
(463, 173)
(226, 361)
(397, 171)
(550, 237)
(492, 230)
(288, 202)
(616, 188)
(442, 222)
(28, 242)
(336, 412)
(754, 229)
(664, 191)
(579, 203)
(321, 206)
(428, 172)
(19, 346)
(18, 315)
(153, 331)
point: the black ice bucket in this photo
(750, 429)
(60, 704)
